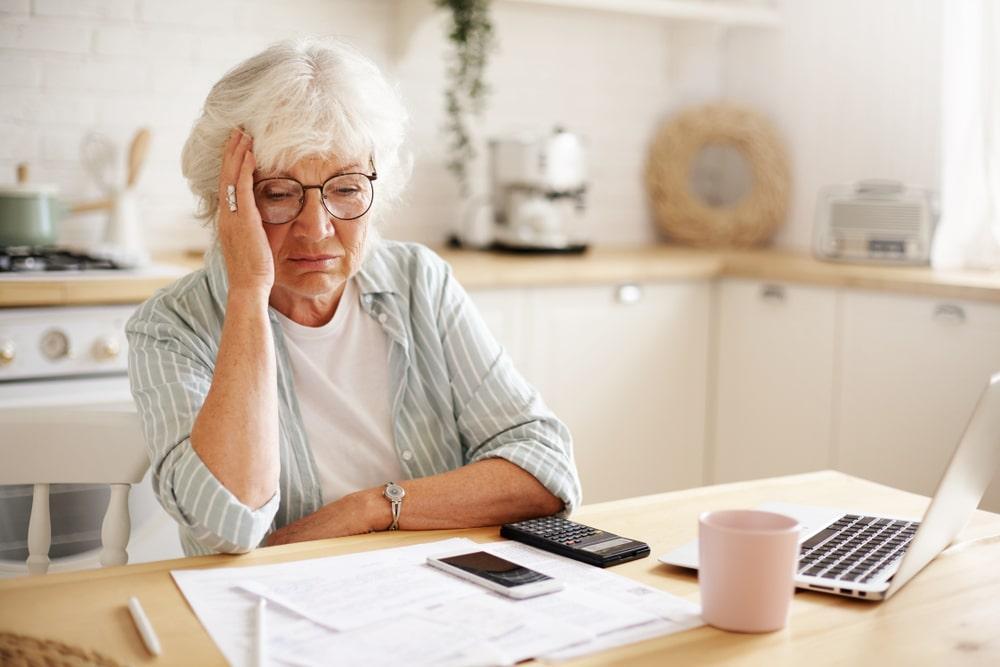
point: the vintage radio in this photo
(874, 221)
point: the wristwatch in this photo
(394, 493)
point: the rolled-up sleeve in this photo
(170, 372)
(499, 414)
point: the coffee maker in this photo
(537, 189)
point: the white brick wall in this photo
(15, 7)
(44, 36)
(855, 88)
(90, 9)
(20, 71)
(71, 66)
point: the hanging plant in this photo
(471, 36)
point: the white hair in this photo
(305, 97)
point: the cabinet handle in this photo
(629, 294)
(773, 293)
(949, 313)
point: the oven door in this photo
(77, 510)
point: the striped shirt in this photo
(456, 398)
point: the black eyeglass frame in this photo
(372, 177)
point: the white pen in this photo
(143, 625)
(261, 633)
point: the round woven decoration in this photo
(678, 210)
(23, 651)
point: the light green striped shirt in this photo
(455, 397)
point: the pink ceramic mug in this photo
(746, 569)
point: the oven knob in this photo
(6, 352)
(107, 348)
(55, 344)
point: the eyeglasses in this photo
(345, 196)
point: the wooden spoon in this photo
(137, 154)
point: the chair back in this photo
(42, 447)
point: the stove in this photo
(63, 342)
(29, 259)
(72, 358)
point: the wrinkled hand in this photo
(249, 263)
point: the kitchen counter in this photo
(89, 288)
(601, 265)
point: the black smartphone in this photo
(497, 574)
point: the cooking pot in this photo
(29, 214)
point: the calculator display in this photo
(601, 547)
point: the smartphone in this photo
(497, 574)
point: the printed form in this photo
(389, 605)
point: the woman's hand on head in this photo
(249, 263)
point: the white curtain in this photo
(968, 234)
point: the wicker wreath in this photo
(681, 214)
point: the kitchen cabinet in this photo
(911, 371)
(625, 367)
(671, 384)
(773, 381)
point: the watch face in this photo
(394, 492)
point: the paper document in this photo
(388, 605)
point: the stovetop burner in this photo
(22, 259)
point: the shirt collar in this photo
(379, 273)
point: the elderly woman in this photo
(313, 380)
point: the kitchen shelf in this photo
(725, 12)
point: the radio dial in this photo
(107, 348)
(55, 344)
(6, 352)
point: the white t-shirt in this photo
(341, 375)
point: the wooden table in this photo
(949, 614)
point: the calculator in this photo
(575, 540)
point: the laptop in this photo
(863, 555)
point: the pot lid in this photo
(28, 190)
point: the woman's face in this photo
(315, 253)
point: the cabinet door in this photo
(773, 380)
(912, 371)
(625, 368)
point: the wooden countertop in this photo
(601, 265)
(947, 615)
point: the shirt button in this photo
(382, 318)
(407, 455)
(368, 298)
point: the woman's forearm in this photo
(486, 493)
(236, 432)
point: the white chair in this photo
(42, 447)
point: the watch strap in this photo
(396, 507)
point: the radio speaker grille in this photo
(892, 217)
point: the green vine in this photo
(471, 35)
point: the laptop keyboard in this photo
(855, 548)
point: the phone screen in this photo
(495, 569)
